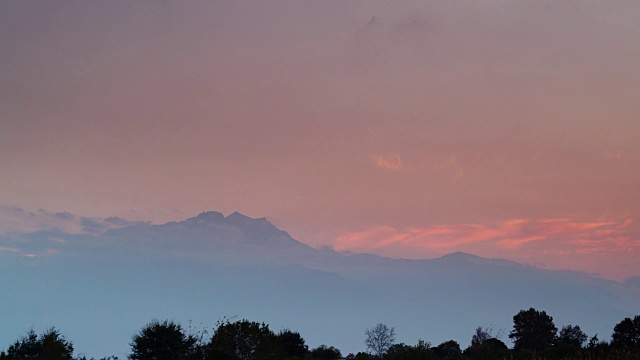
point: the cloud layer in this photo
(539, 241)
(18, 220)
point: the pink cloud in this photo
(391, 162)
(531, 239)
(509, 234)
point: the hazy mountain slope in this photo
(101, 289)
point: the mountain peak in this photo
(460, 257)
(218, 217)
(209, 216)
(238, 216)
(234, 219)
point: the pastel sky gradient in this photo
(404, 128)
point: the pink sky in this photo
(410, 128)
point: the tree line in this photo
(534, 336)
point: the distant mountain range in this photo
(100, 288)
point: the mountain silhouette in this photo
(100, 289)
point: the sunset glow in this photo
(528, 240)
(410, 129)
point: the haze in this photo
(407, 129)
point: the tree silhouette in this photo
(162, 341)
(244, 340)
(421, 351)
(596, 348)
(483, 334)
(359, 356)
(50, 345)
(324, 352)
(292, 344)
(534, 335)
(490, 349)
(533, 330)
(626, 334)
(448, 350)
(398, 352)
(480, 336)
(568, 343)
(572, 335)
(379, 339)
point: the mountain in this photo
(100, 289)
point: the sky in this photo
(407, 129)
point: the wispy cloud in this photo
(17, 220)
(389, 162)
(558, 235)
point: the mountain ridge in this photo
(260, 231)
(210, 266)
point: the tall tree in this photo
(626, 334)
(483, 334)
(572, 335)
(244, 340)
(379, 339)
(161, 341)
(448, 350)
(292, 344)
(533, 330)
(568, 344)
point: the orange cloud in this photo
(552, 235)
(392, 162)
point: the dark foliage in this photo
(533, 330)
(448, 350)
(626, 334)
(162, 341)
(359, 356)
(292, 344)
(422, 351)
(568, 343)
(534, 336)
(244, 340)
(489, 349)
(571, 335)
(50, 345)
(324, 352)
